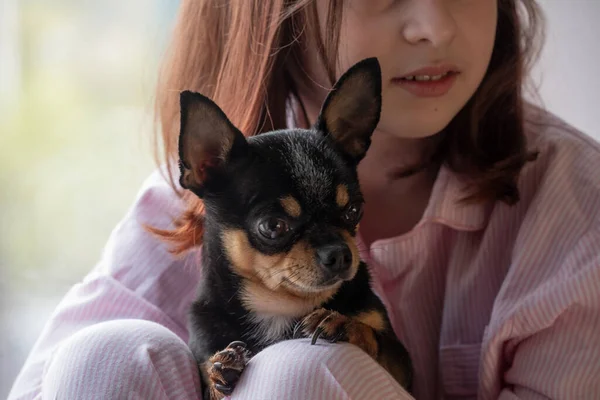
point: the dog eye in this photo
(273, 228)
(353, 213)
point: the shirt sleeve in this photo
(561, 361)
(136, 278)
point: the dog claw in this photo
(226, 390)
(226, 366)
(237, 343)
(316, 335)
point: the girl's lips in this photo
(437, 87)
(432, 70)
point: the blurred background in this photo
(76, 91)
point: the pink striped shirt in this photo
(492, 301)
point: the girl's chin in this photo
(413, 130)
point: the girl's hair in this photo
(243, 55)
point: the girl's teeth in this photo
(426, 77)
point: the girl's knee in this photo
(120, 357)
(298, 370)
(123, 342)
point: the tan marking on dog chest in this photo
(257, 298)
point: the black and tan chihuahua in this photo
(279, 259)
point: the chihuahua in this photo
(279, 258)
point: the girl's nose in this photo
(429, 21)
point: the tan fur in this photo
(353, 249)
(242, 256)
(280, 284)
(330, 321)
(356, 332)
(256, 297)
(291, 206)
(314, 319)
(362, 336)
(342, 197)
(211, 376)
(373, 318)
(230, 360)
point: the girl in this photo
(481, 223)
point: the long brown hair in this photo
(243, 54)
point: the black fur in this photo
(241, 182)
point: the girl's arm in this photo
(553, 346)
(136, 278)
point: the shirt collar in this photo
(445, 206)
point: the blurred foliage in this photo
(76, 91)
(75, 132)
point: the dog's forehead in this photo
(308, 161)
(310, 166)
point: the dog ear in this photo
(351, 111)
(207, 140)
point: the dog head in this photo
(285, 204)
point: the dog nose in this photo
(336, 258)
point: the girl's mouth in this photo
(427, 85)
(428, 82)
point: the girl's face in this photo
(433, 55)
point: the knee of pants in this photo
(122, 359)
(295, 369)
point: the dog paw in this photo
(335, 327)
(225, 367)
